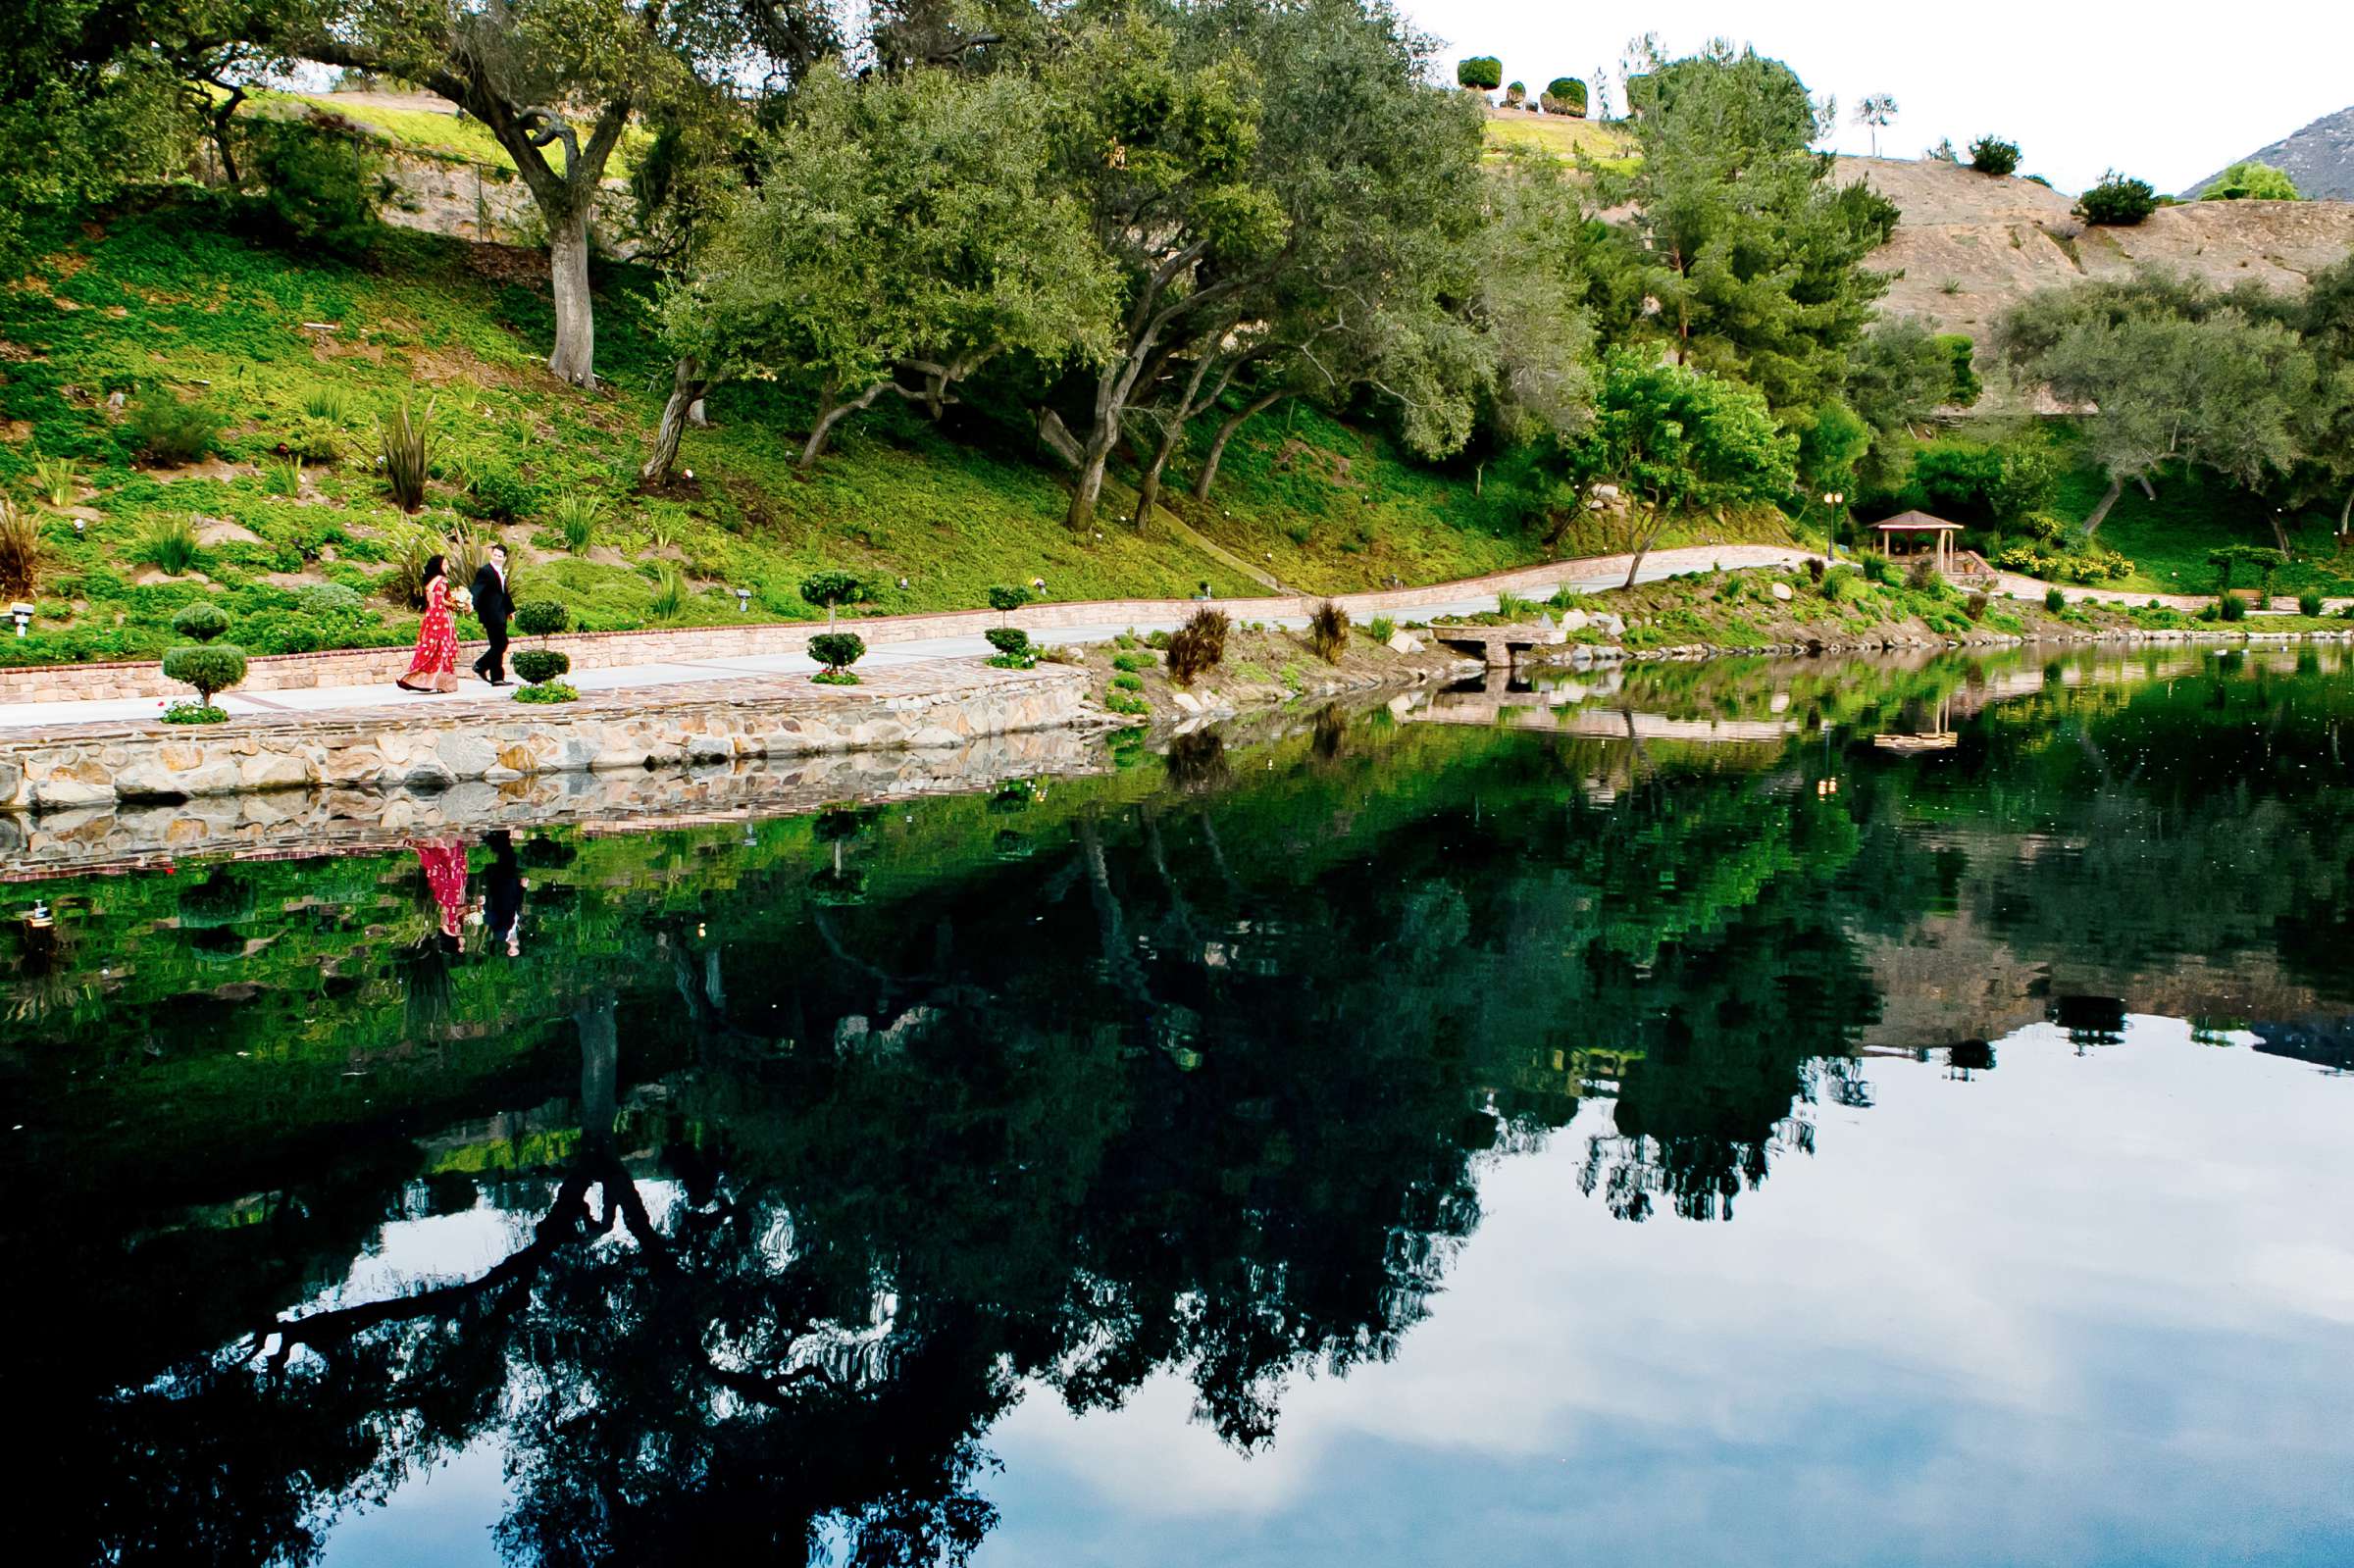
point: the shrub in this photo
(169, 428)
(1516, 94)
(1976, 607)
(324, 403)
(1127, 703)
(2251, 181)
(2054, 600)
(319, 188)
(407, 452)
(1480, 73)
(2116, 201)
(1013, 647)
(1564, 95)
(1199, 646)
(1130, 661)
(200, 621)
(1513, 607)
(540, 666)
(316, 441)
(500, 496)
(1381, 628)
(59, 480)
(1991, 155)
(1878, 567)
(577, 514)
(1966, 387)
(1977, 482)
(2231, 607)
(285, 475)
(2308, 604)
(23, 550)
(541, 618)
(549, 691)
(168, 545)
(186, 712)
(1126, 681)
(838, 651)
(208, 667)
(1007, 597)
(1921, 575)
(327, 599)
(670, 595)
(829, 587)
(1329, 631)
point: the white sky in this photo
(2164, 91)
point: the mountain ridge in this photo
(2319, 157)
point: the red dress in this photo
(436, 667)
(444, 863)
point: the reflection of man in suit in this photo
(502, 892)
(491, 607)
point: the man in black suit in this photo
(502, 893)
(491, 607)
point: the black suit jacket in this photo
(491, 604)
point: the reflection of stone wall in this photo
(436, 743)
(286, 823)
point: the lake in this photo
(1877, 1112)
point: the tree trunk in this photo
(2100, 513)
(2148, 490)
(687, 386)
(1218, 446)
(1643, 543)
(574, 358)
(1094, 456)
(1147, 489)
(832, 413)
(1057, 439)
(2281, 536)
(2345, 522)
(696, 417)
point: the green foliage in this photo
(285, 475)
(669, 599)
(169, 545)
(318, 189)
(577, 514)
(499, 494)
(1199, 646)
(1677, 440)
(2054, 600)
(1126, 702)
(200, 621)
(167, 428)
(836, 650)
(1381, 628)
(326, 599)
(1981, 482)
(1013, 647)
(2117, 201)
(541, 665)
(831, 586)
(2250, 180)
(23, 553)
(405, 448)
(1005, 597)
(1962, 386)
(1329, 631)
(1991, 155)
(185, 712)
(2228, 559)
(548, 691)
(208, 667)
(1480, 73)
(1564, 95)
(541, 618)
(2231, 607)
(58, 479)
(2308, 604)
(1127, 681)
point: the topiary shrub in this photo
(1199, 646)
(1013, 647)
(540, 666)
(200, 621)
(541, 618)
(1007, 597)
(2116, 201)
(1991, 155)
(168, 429)
(1564, 95)
(830, 588)
(1329, 631)
(1480, 73)
(837, 651)
(2054, 600)
(208, 667)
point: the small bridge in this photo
(1498, 643)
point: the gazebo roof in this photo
(1917, 523)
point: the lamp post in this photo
(22, 614)
(744, 601)
(1834, 499)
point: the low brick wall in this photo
(453, 742)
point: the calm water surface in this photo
(1733, 1113)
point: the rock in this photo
(1406, 642)
(466, 756)
(1781, 591)
(274, 771)
(1575, 619)
(1188, 701)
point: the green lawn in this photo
(2169, 538)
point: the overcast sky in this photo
(2165, 90)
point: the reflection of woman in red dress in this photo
(444, 863)
(436, 667)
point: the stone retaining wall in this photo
(496, 741)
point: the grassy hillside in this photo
(1560, 135)
(292, 350)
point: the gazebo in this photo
(1921, 533)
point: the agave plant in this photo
(169, 545)
(576, 517)
(286, 475)
(23, 550)
(407, 456)
(670, 595)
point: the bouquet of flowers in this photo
(461, 602)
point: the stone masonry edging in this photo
(603, 650)
(441, 744)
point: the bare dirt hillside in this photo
(1969, 245)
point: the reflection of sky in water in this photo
(2079, 1310)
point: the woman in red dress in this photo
(444, 863)
(436, 667)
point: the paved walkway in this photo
(1588, 574)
